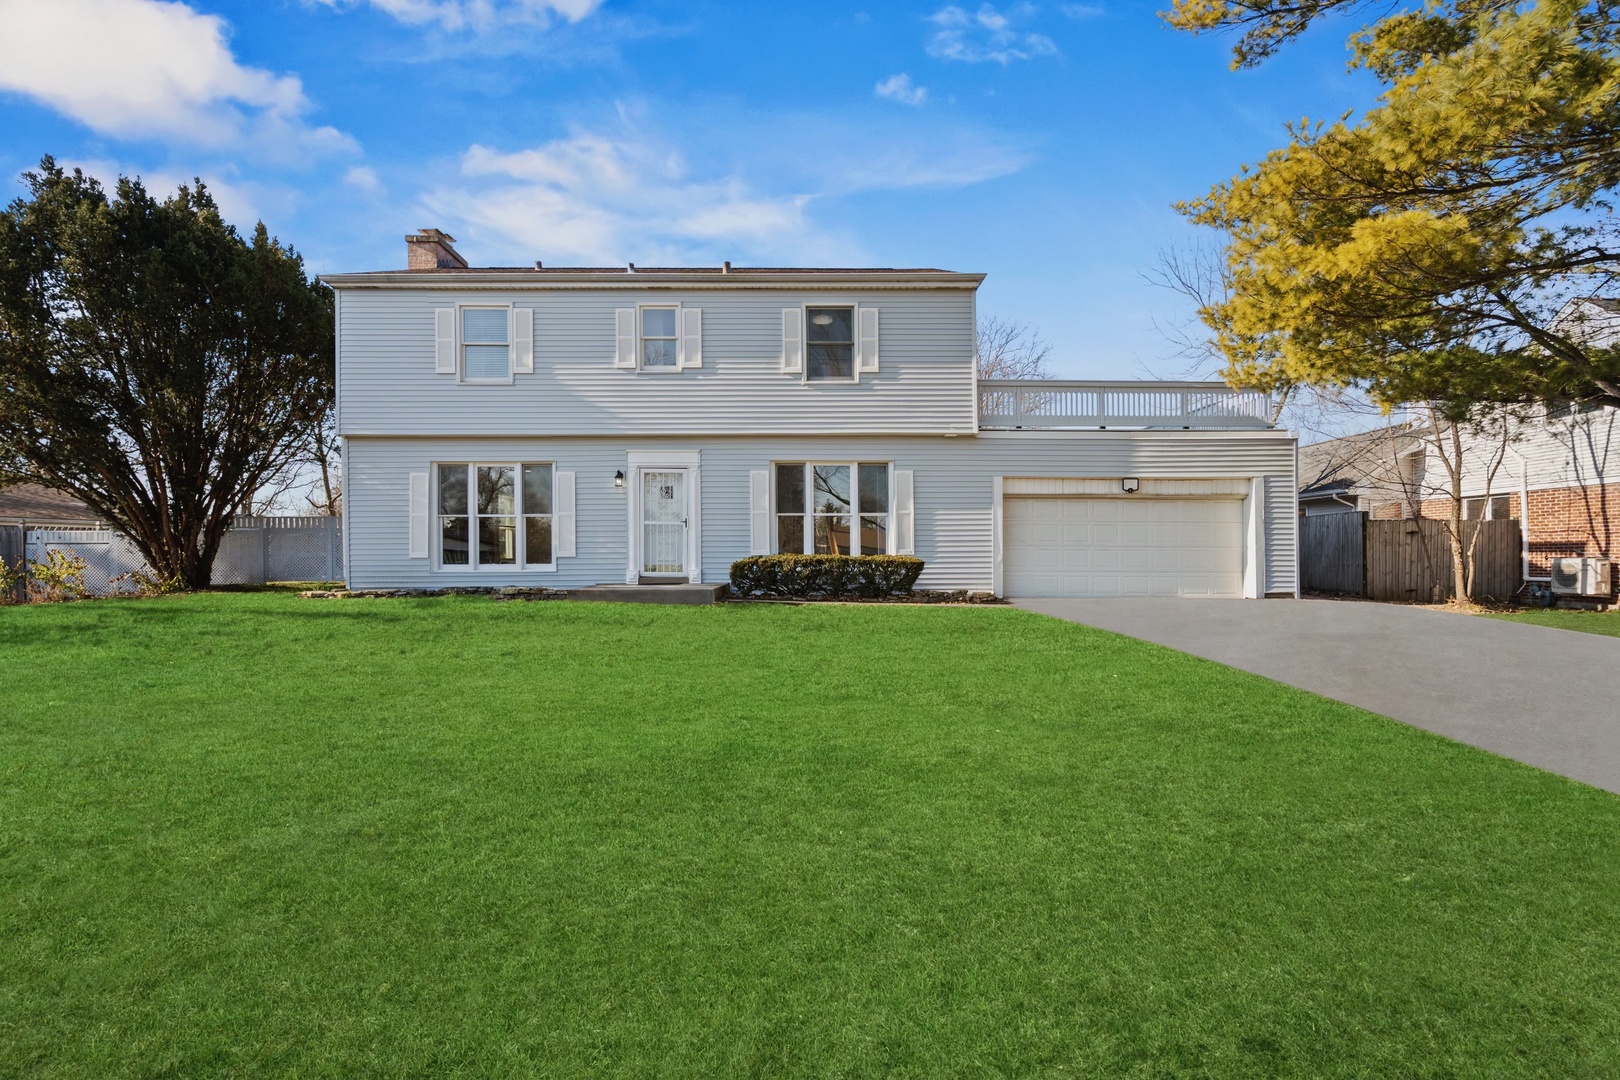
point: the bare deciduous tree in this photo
(1009, 350)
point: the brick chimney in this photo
(430, 249)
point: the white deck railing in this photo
(1053, 403)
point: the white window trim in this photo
(461, 348)
(855, 345)
(641, 337)
(436, 525)
(855, 514)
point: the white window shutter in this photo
(419, 515)
(759, 512)
(563, 530)
(691, 337)
(905, 514)
(792, 340)
(523, 340)
(624, 338)
(444, 341)
(868, 317)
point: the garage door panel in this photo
(1123, 547)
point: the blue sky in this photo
(1042, 144)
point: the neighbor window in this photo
(830, 343)
(832, 509)
(486, 353)
(480, 508)
(658, 345)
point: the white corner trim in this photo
(996, 543)
(1254, 549)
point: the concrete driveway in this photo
(1549, 698)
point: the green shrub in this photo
(11, 578)
(869, 577)
(59, 577)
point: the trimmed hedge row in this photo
(870, 577)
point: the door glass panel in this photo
(663, 516)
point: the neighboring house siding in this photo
(1558, 452)
(388, 385)
(954, 485)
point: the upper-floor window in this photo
(660, 348)
(486, 350)
(495, 515)
(830, 341)
(832, 509)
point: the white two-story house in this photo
(567, 427)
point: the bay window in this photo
(832, 508)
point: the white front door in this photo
(664, 523)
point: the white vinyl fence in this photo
(261, 549)
(256, 550)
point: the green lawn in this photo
(1587, 622)
(256, 835)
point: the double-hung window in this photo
(832, 509)
(660, 350)
(495, 515)
(486, 350)
(830, 341)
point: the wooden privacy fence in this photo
(1405, 560)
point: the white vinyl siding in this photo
(954, 485)
(925, 383)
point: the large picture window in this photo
(495, 515)
(833, 508)
(830, 341)
(486, 351)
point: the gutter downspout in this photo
(1524, 522)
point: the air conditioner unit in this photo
(1581, 577)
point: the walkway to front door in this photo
(1541, 696)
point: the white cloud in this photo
(605, 200)
(1083, 11)
(477, 15)
(986, 35)
(900, 88)
(364, 178)
(613, 194)
(152, 69)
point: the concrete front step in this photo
(685, 593)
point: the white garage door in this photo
(1122, 547)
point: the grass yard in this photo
(1587, 622)
(256, 835)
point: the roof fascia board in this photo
(640, 281)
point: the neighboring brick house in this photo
(1558, 472)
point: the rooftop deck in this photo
(1013, 404)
